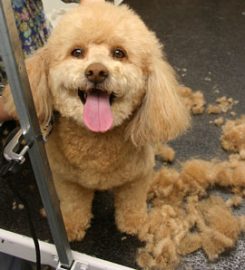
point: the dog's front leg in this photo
(130, 205)
(76, 208)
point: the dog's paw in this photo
(130, 223)
(76, 228)
(74, 232)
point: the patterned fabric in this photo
(32, 25)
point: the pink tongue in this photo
(97, 114)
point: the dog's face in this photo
(101, 87)
(99, 65)
(101, 68)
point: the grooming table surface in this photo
(204, 41)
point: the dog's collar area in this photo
(95, 92)
(46, 128)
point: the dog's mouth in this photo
(97, 113)
(95, 91)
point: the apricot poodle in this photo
(104, 72)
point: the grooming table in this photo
(204, 41)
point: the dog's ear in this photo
(162, 116)
(37, 68)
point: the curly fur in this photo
(147, 109)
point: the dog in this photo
(106, 75)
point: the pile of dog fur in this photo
(185, 214)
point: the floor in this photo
(204, 41)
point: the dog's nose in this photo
(96, 73)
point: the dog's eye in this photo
(119, 53)
(78, 53)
